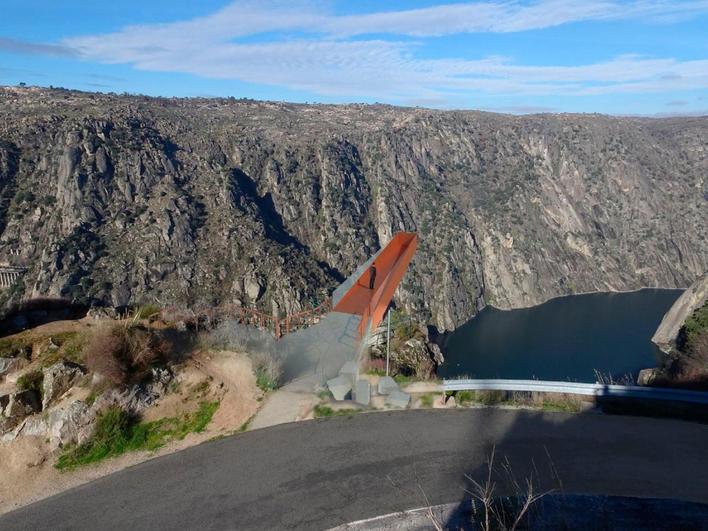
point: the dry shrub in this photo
(268, 369)
(506, 513)
(102, 354)
(125, 354)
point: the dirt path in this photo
(290, 403)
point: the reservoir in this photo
(567, 338)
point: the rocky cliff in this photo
(690, 300)
(126, 199)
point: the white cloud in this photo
(323, 58)
(251, 17)
(25, 47)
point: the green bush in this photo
(13, 348)
(117, 432)
(693, 338)
(427, 399)
(323, 411)
(266, 382)
(490, 398)
(465, 397)
(31, 381)
(402, 379)
(487, 398)
(325, 394)
(326, 411)
(403, 326)
(146, 311)
(566, 406)
(71, 347)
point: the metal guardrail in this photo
(575, 388)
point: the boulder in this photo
(68, 425)
(161, 378)
(340, 387)
(36, 426)
(134, 399)
(415, 357)
(362, 392)
(398, 399)
(350, 370)
(436, 353)
(23, 403)
(8, 365)
(5, 426)
(102, 313)
(386, 385)
(58, 379)
(648, 376)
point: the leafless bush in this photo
(496, 514)
(231, 335)
(259, 345)
(103, 355)
(609, 379)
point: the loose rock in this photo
(58, 379)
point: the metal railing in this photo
(209, 316)
(576, 388)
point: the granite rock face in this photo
(21, 403)
(7, 365)
(116, 200)
(58, 379)
(68, 425)
(694, 297)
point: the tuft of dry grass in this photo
(497, 512)
(125, 354)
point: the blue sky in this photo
(619, 57)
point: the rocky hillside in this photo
(125, 199)
(682, 335)
(673, 324)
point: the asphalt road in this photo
(317, 474)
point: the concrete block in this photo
(362, 392)
(386, 385)
(351, 370)
(398, 399)
(340, 387)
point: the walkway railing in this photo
(209, 316)
(575, 388)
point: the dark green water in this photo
(563, 339)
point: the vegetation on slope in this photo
(323, 411)
(545, 401)
(117, 432)
(693, 337)
(126, 353)
(690, 367)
